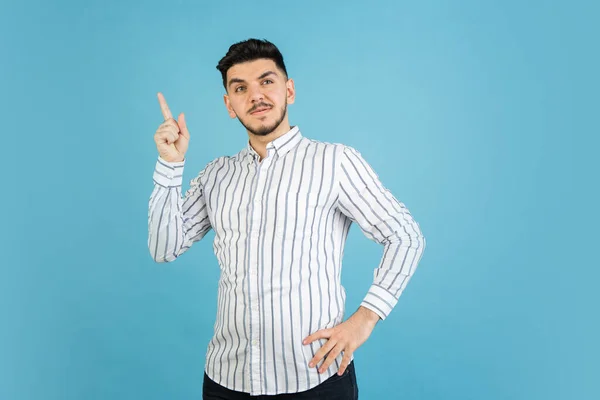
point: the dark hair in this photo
(250, 50)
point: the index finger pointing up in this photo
(164, 107)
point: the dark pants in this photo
(335, 388)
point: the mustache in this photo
(259, 105)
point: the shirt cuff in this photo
(168, 174)
(380, 301)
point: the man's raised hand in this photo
(172, 137)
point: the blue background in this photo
(481, 116)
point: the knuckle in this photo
(161, 133)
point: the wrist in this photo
(172, 160)
(368, 315)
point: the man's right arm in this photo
(175, 223)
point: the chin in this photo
(265, 127)
(260, 129)
(263, 130)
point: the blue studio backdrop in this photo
(481, 116)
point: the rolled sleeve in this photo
(385, 220)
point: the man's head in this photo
(257, 86)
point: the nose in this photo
(256, 94)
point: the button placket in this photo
(261, 181)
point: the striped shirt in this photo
(280, 226)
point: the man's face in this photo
(258, 94)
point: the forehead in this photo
(252, 69)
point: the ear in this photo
(291, 91)
(230, 111)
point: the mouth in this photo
(261, 111)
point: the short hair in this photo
(250, 50)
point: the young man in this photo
(281, 210)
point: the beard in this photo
(262, 129)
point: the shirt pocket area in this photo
(294, 214)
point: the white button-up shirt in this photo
(280, 227)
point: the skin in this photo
(345, 337)
(172, 137)
(252, 86)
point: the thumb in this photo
(183, 126)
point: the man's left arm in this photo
(384, 219)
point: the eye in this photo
(239, 88)
(267, 81)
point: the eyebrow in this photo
(263, 75)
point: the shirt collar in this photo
(282, 144)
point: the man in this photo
(281, 210)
